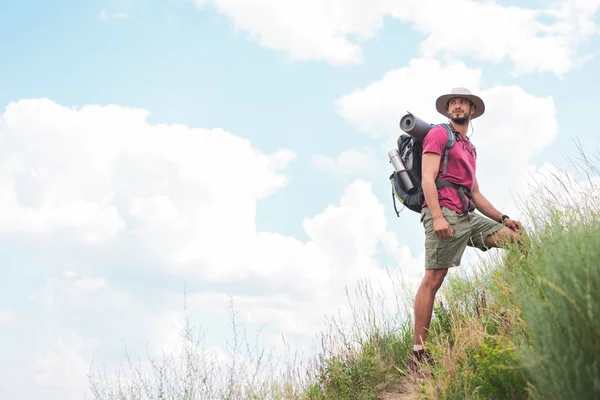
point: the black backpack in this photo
(411, 154)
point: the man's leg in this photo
(504, 236)
(487, 234)
(424, 304)
(440, 254)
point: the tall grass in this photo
(356, 359)
(192, 371)
(559, 297)
(561, 308)
(365, 357)
(516, 327)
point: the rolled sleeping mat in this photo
(415, 126)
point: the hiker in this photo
(447, 215)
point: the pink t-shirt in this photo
(461, 166)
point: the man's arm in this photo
(483, 204)
(429, 169)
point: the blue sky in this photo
(200, 67)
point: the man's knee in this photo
(504, 237)
(434, 278)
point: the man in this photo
(447, 217)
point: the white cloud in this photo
(186, 195)
(105, 16)
(516, 126)
(577, 197)
(65, 366)
(7, 316)
(377, 108)
(494, 33)
(488, 30)
(342, 246)
(169, 202)
(357, 162)
(98, 171)
(282, 25)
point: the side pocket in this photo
(451, 216)
(452, 220)
(432, 256)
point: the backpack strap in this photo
(462, 191)
(392, 176)
(439, 183)
(449, 145)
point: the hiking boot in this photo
(418, 358)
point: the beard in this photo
(460, 120)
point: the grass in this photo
(515, 328)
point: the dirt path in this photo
(406, 390)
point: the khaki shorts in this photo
(467, 230)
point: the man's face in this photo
(460, 110)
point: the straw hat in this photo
(441, 103)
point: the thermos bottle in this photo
(405, 180)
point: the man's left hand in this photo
(514, 225)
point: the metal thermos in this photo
(415, 126)
(405, 180)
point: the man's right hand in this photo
(442, 228)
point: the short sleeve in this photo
(435, 141)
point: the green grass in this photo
(562, 312)
(515, 328)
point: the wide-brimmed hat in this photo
(441, 103)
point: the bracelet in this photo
(502, 218)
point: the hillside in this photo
(516, 328)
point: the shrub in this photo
(493, 371)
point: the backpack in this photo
(411, 154)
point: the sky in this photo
(237, 151)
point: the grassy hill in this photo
(516, 328)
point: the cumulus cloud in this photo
(376, 109)
(342, 247)
(515, 127)
(94, 171)
(65, 365)
(186, 195)
(577, 197)
(531, 39)
(106, 16)
(357, 162)
(129, 208)
(7, 316)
